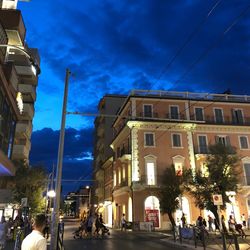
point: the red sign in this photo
(152, 215)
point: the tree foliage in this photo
(30, 182)
(221, 176)
(171, 189)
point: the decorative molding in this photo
(134, 156)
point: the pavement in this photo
(214, 240)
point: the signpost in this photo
(217, 199)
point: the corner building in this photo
(19, 70)
(155, 129)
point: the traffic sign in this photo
(217, 199)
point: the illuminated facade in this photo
(155, 129)
(18, 81)
(103, 178)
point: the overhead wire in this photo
(186, 42)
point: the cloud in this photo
(112, 47)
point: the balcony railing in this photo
(123, 151)
(149, 116)
(201, 150)
(191, 96)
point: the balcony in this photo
(177, 117)
(20, 152)
(124, 154)
(12, 20)
(148, 116)
(28, 111)
(23, 129)
(11, 74)
(28, 92)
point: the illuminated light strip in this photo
(19, 100)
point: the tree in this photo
(171, 189)
(30, 182)
(221, 175)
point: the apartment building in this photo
(19, 70)
(155, 129)
(108, 107)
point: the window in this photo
(149, 139)
(174, 112)
(150, 169)
(243, 142)
(218, 115)
(247, 172)
(202, 142)
(150, 173)
(237, 116)
(176, 140)
(199, 114)
(148, 110)
(178, 168)
(224, 140)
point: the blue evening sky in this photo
(114, 46)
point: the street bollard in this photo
(202, 232)
(174, 233)
(223, 241)
(180, 235)
(236, 243)
(195, 239)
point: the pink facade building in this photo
(155, 129)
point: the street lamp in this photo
(55, 213)
(34, 66)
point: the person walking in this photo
(183, 220)
(35, 240)
(3, 233)
(210, 223)
(123, 223)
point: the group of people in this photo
(212, 224)
(32, 232)
(91, 225)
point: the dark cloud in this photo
(114, 46)
(77, 160)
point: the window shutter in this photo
(228, 141)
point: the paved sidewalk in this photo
(214, 241)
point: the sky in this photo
(114, 46)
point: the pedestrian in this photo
(123, 223)
(243, 219)
(231, 224)
(223, 224)
(3, 232)
(35, 240)
(210, 223)
(89, 224)
(183, 220)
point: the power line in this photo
(189, 38)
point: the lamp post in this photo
(55, 213)
(23, 51)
